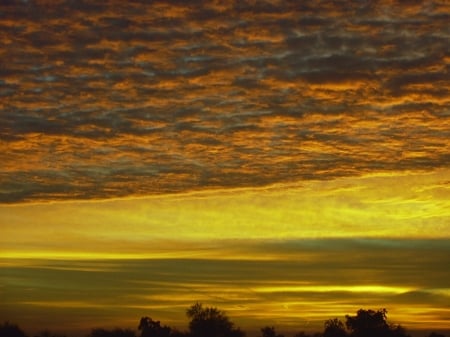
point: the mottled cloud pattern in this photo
(109, 99)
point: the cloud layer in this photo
(310, 281)
(114, 99)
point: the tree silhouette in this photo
(334, 328)
(370, 323)
(151, 328)
(8, 329)
(269, 331)
(210, 322)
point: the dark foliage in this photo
(334, 328)
(269, 331)
(112, 333)
(370, 323)
(304, 334)
(151, 328)
(47, 333)
(210, 322)
(11, 330)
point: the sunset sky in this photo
(285, 161)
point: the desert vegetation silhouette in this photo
(212, 322)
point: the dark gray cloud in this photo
(274, 92)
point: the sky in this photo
(285, 161)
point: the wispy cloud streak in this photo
(337, 277)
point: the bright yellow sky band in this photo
(396, 205)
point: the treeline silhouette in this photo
(212, 322)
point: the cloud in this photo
(261, 80)
(305, 130)
(375, 206)
(309, 280)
